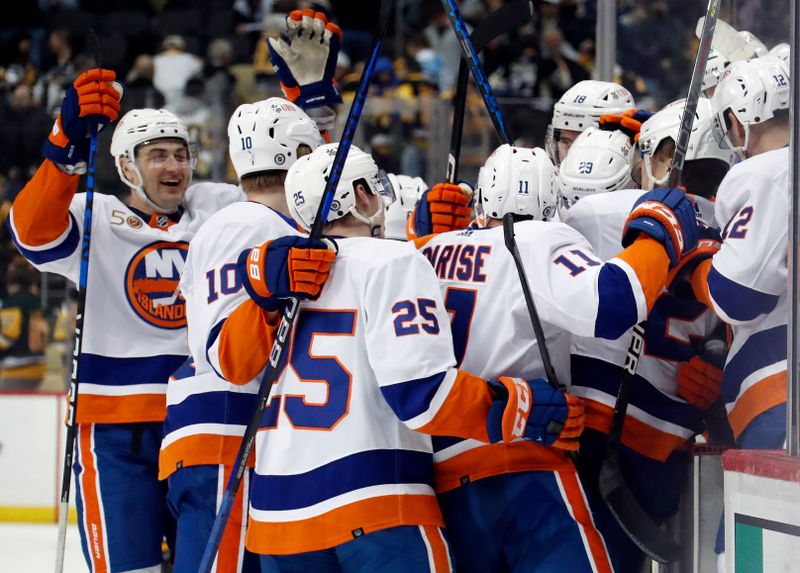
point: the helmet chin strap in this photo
(140, 192)
(740, 150)
(373, 222)
(652, 181)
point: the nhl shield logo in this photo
(151, 284)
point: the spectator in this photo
(23, 331)
(172, 69)
(443, 41)
(560, 70)
(197, 116)
(139, 89)
(24, 126)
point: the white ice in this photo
(31, 548)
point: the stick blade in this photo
(639, 526)
(727, 41)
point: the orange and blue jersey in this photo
(369, 371)
(207, 415)
(135, 321)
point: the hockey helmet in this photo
(408, 191)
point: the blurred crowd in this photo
(202, 58)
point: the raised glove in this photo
(668, 216)
(306, 62)
(288, 267)
(90, 100)
(444, 208)
(699, 382)
(534, 410)
(628, 122)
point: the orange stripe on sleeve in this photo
(700, 283)
(580, 512)
(41, 210)
(97, 409)
(245, 342)
(337, 526)
(200, 450)
(650, 262)
(465, 410)
(760, 397)
(637, 435)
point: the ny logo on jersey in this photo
(151, 284)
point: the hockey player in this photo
(497, 499)
(206, 415)
(746, 281)
(673, 385)
(342, 481)
(135, 334)
(446, 206)
(579, 109)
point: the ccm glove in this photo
(90, 100)
(668, 216)
(306, 60)
(534, 410)
(444, 208)
(699, 382)
(289, 267)
(628, 122)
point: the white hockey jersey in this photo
(206, 414)
(574, 293)
(658, 420)
(369, 362)
(135, 322)
(747, 284)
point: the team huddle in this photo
(412, 426)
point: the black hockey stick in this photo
(619, 498)
(475, 66)
(72, 398)
(499, 22)
(290, 313)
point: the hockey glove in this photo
(306, 60)
(534, 410)
(444, 208)
(628, 122)
(91, 99)
(678, 280)
(699, 382)
(289, 267)
(668, 216)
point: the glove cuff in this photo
(516, 408)
(250, 268)
(317, 94)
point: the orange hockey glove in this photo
(699, 383)
(444, 208)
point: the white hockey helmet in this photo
(757, 45)
(264, 136)
(408, 191)
(598, 162)
(581, 107)
(140, 126)
(519, 180)
(781, 51)
(305, 184)
(715, 65)
(753, 91)
(666, 123)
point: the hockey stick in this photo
(619, 498)
(727, 41)
(72, 398)
(290, 313)
(499, 22)
(475, 66)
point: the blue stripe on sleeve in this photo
(350, 473)
(213, 335)
(221, 407)
(412, 398)
(738, 301)
(760, 350)
(616, 311)
(96, 369)
(61, 251)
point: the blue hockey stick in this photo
(290, 313)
